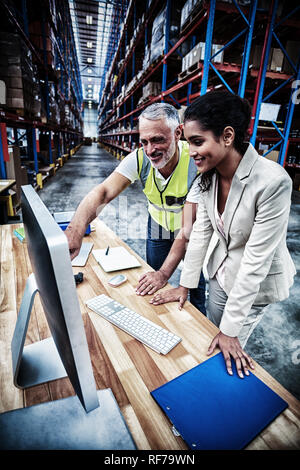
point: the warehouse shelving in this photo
(240, 29)
(272, 34)
(50, 124)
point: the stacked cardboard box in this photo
(275, 61)
(65, 112)
(197, 54)
(42, 37)
(18, 74)
(53, 99)
(151, 89)
(187, 10)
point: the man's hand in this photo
(177, 294)
(74, 241)
(230, 346)
(150, 282)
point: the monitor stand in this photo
(65, 425)
(38, 362)
(60, 424)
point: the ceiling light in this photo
(89, 60)
(89, 44)
(89, 71)
(89, 19)
(89, 79)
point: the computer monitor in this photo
(67, 423)
(52, 273)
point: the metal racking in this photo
(247, 34)
(53, 133)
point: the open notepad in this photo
(117, 258)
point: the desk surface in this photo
(121, 363)
(6, 184)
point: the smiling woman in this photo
(212, 125)
(245, 200)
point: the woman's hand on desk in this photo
(230, 347)
(150, 282)
(177, 294)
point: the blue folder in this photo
(213, 410)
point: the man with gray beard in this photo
(166, 172)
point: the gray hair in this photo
(162, 110)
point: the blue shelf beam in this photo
(166, 47)
(2, 162)
(288, 120)
(208, 44)
(247, 31)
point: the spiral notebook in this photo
(212, 410)
(116, 259)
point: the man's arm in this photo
(150, 282)
(91, 206)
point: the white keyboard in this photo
(157, 338)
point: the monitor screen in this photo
(51, 264)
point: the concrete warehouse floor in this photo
(275, 343)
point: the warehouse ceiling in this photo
(92, 22)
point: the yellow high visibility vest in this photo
(165, 207)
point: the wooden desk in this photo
(6, 184)
(119, 362)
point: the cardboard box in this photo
(194, 56)
(219, 57)
(15, 103)
(198, 53)
(276, 60)
(159, 29)
(187, 9)
(151, 89)
(14, 82)
(273, 155)
(11, 71)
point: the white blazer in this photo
(259, 269)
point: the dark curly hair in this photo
(216, 110)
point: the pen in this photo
(107, 250)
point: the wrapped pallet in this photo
(158, 37)
(18, 74)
